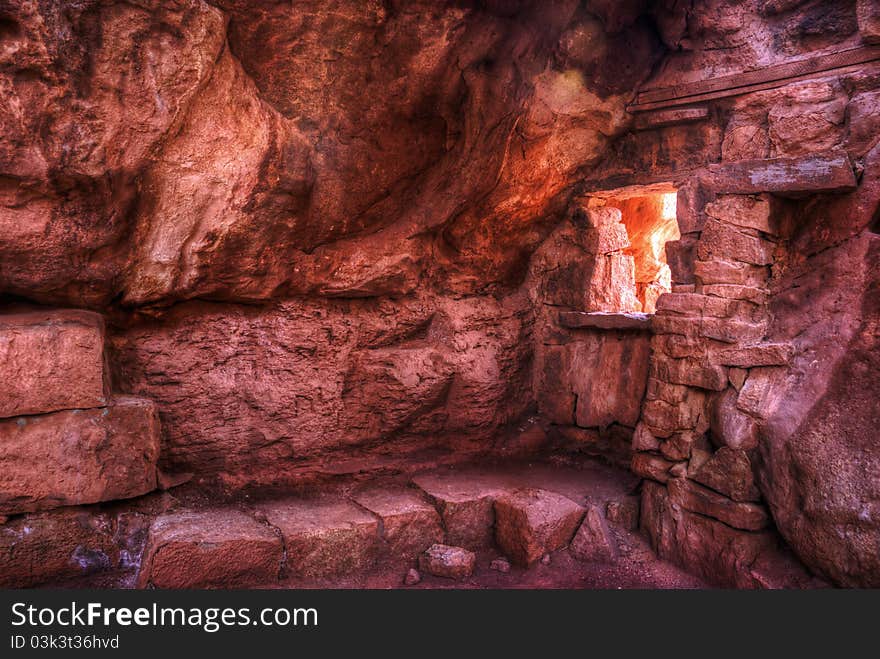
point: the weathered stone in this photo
(593, 542)
(531, 522)
(79, 456)
(648, 465)
(605, 320)
(825, 172)
(663, 418)
(611, 284)
(65, 546)
(601, 400)
(412, 577)
(737, 377)
(743, 211)
(728, 471)
(644, 440)
(722, 555)
(500, 565)
(868, 14)
(691, 199)
(447, 561)
(324, 537)
(721, 241)
(751, 294)
(691, 372)
(679, 445)
(863, 122)
(718, 329)
(607, 239)
(698, 499)
(409, 524)
(466, 507)
(762, 392)
(717, 271)
(50, 361)
(762, 354)
(680, 255)
(730, 426)
(623, 512)
(698, 304)
(599, 217)
(220, 548)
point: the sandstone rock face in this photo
(231, 160)
(78, 456)
(331, 238)
(51, 361)
(818, 456)
(253, 396)
(215, 549)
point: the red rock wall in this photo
(335, 237)
(758, 388)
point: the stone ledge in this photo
(605, 321)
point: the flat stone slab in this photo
(324, 537)
(532, 522)
(409, 523)
(447, 561)
(78, 456)
(219, 548)
(50, 361)
(605, 321)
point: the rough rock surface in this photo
(311, 284)
(532, 522)
(78, 456)
(70, 546)
(466, 508)
(51, 361)
(447, 561)
(324, 537)
(409, 524)
(221, 548)
(593, 542)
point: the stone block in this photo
(218, 548)
(325, 537)
(532, 522)
(51, 361)
(79, 456)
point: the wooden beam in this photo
(823, 172)
(751, 81)
(671, 117)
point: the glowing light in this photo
(669, 205)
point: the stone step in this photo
(218, 548)
(50, 361)
(78, 456)
(526, 511)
